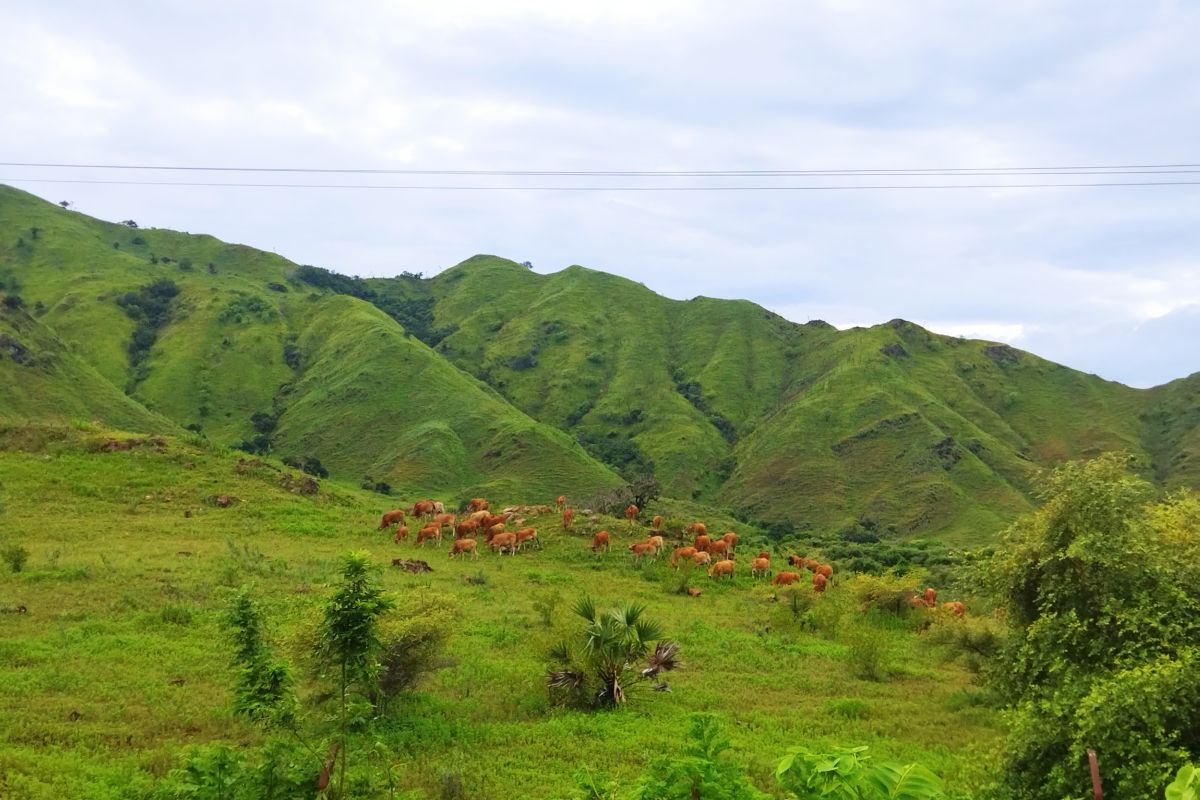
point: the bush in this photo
(13, 302)
(412, 641)
(971, 640)
(700, 771)
(869, 651)
(15, 555)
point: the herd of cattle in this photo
(715, 553)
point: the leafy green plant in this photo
(1186, 785)
(15, 555)
(600, 664)
(265, 690)
(700, 771)
(847, 774)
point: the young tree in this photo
(596, 669)
(265, 690)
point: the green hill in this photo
(226, 333)
(491, 377)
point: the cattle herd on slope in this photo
(718, 554)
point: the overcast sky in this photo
(1102, 279)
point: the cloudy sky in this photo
(1104, 279)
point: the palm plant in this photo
(615, 649)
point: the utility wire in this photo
(1064, 170)
(482, 188)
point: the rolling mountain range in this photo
(491, 378)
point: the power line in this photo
(964, 171)
(481, 188)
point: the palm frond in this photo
(664, 658)
(647, 632)
(561, 653)
(565, 678)
(586, 608)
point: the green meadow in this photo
(114, 661)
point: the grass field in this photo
(117, 665)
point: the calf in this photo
(760, 566)
(785, 578)
(391, 518)
(463, 546)
(527, 535)
(656, 523)
(682, 552)
(721, 569)
(429, 532)
(600, 542)
(401, 533)
(568, 515)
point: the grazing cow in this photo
(785, 578)
(954, 607)
(477, 504)
(721, 568)
(527, 535)
(697, 528)
(702, 542)
(656, 542)
(391, 518)
(760, 566)
(631, 512)
(462, 529)
(496, 519)
(681, 552)
(656, 523)
(501, 541)
(763, 554)
(916, 601)
(819, 582)
(797, 561)
(495, 530)
(693, 591)
(463, 546)
(444, 519)
(600, 542)
(422, 508)
(560, 501)
(568, 515)
(732, 539)
(824, 570)
(700, 558)
(429, 532)
(930, 597)
(718, 548)
(438, 507)
(401, 533)
(641, 549)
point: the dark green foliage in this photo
(416, 315)
(13, 302)
(638, 492)
(700, 771)
(312, 466)
(618, 451)
(150, 308)
(277, 771)
(340, 284)
(692, 392)
(212, 268)
(848, 774)
(578, 414)
(274, 286)
(250, 307)
(34, 232)
(1100, 587)
(185, 265)
(259, 444)
(15, 556)
(264, 422)
(138, 240)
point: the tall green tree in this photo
(1104, 650)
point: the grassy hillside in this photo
(118, 658)
(240, 337)
(1173, 431)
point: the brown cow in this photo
(477, 504)
(631, 512)
(819, 582)
(656, 542)
(701, 543)
(954, 607)
(429, 532)
(656, 523)
(505, 540)
(463, 546)
(701, 558)
(463, 528)
(600, 542)
(560, 501)
(697, 528)
(929, 598)
(568, 515)
(422, 508)
(494, 531)
(641, 549)
(527, 535)
(760, 566)
(732, 539)
(391, 518)
(444, 519)
(763, 554)
(785, 578)
(825, 570)
(496, 519)
(718, 548)
(681, 552)
(721, 568)
(797, 561)
(401, 533)
(438, 508)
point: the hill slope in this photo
(229, 334)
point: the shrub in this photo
(15, 555)
(174, 614)
(700, 771)
(412, 641)
(868, 650)
(544, 603)
(13, 302)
